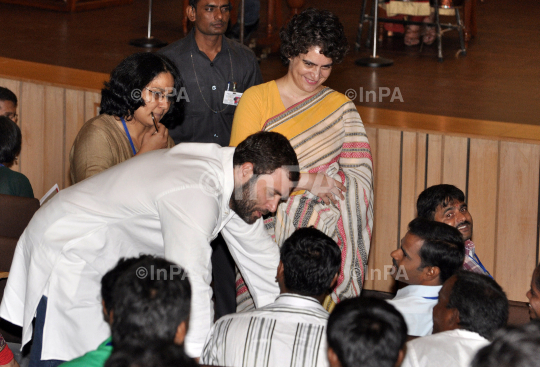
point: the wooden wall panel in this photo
(435, 159)
(372, 137)
(74, 122)
(32, 125)
(91, 102)
(482, 198)
(12, 85)
(409, 177)
(517, 217)
(455, 162)
(420, 165)
(54, 137)
(386, 206)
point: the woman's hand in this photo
(153, 140)
(323, 186)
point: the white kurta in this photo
(166, 202)
(454, 348)
(415, 303)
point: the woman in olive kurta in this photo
(138, 96)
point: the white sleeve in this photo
(188, 218)
(257, 257)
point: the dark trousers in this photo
(37, 344)
(224, 278)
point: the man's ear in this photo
(191, 13)
(334, 281)
(181, 332)
(333, 358)
(108, 315)
(401, 355)
(432, 272)
(454, 318)
(280, 271)
(246, 170)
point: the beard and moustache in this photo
(245, 207)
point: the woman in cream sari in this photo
(335, 192)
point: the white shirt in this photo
(169, 202)
(288, 332)
(416, 302)
(454, 348)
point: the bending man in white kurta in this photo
(167, 202)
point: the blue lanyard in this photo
(477, 261)
(431, 297)
(129, 136)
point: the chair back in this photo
(449, 4)
(15, 214)
(10, 332)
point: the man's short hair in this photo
(151, 300)
(7, 95)
(433, 197)
(536, 276)
(481, 302)
(109, 279)
(310, 260)
(515, 346)
(366, 332)
(153, 355)
(10, 140)
(267, 151)
(443, 246)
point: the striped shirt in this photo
(289, 332)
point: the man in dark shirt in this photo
(211, 65)
(215, 71)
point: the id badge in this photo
(231, 98)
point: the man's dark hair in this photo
(443, 246)
(515, 346)
(310, 260)
(313, 28)
(10, 140)
(151, 300)
(433, 197)
(536, 276)
(153, 355)
(121, 96)
(108, 281)
(7, 95)
(481, 302)
(366, 332)
(267, 151)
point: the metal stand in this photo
(374, 61)
(149, 41)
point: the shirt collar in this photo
(419, 291)
(296, 300)
(195, 48)
(463, 334)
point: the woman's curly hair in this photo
(121, 96)
(313, 28)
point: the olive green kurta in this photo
(101, 143)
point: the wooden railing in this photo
(496, 164)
